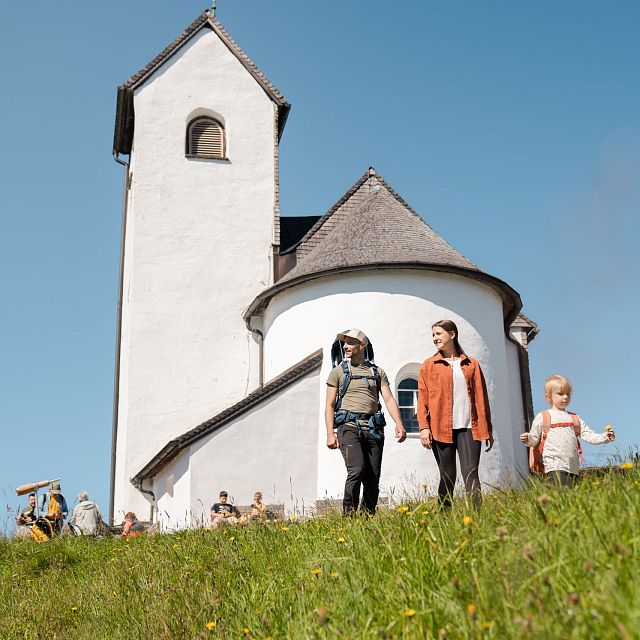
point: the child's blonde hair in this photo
(556, 383)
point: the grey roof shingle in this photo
(173, 448)
(123, 135)
(379, 231)
(372, 227)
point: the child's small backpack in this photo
(535, 453)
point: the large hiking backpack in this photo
(338, 358)
(337, 352)
(535, 453)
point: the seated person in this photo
(224, 512)
(57, 510)
(131, 527)
(86, 517)
(258, 508)
(26, 517)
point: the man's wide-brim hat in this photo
(358, 334)
(55, 488)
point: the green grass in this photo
(566, 566)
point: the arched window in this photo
(205, 139)
(408, 403)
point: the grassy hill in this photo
(536, 563)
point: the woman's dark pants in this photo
(362, 455)
(469, 453)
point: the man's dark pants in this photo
(362, 455)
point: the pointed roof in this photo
(372, 227)
(123, 136)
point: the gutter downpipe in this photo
(260, 335)
(261, 357)
(116, 376)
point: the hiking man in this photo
(353, 408)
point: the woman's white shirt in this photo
(461, 403)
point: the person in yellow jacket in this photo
(57, 510)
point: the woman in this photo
(453, 412)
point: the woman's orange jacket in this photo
(435, 398)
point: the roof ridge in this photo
(199, 22)
(175, 44)
(280, 382)
(323, 218)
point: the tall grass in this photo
(539, 563)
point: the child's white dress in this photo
(560, 451)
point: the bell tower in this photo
(197, 131)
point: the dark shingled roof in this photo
(372, 227)
(123, 136)
(173, 448)
(380, 231)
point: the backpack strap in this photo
(378, 379)
(348, 377)
(546, 425)
(577, 428)
(346, 381)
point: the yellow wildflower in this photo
(403, 508)
(293, 517)
(245, 631)
(626, 465)
(232, 538)
(472, 609)
(487, 624)
(334, 574)
(74, 609)
(316, 572)
(467, 521)
(211, 625)
(341, 539)
(409, 613)
(284, 528)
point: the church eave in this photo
(511, 301)
(175, 446)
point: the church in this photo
(227, 310)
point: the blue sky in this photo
(513, 128)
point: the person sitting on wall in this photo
(224, 512)
(86, 516)
(131, 527)
(57, 510)
(258, 508)
(26, 518)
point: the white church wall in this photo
(198, 250)
(396, 309)
(272, 448)
(521, 453)
(171, 489)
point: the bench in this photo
(274, 511)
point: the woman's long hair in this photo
(450, 325)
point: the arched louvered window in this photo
(205, 138)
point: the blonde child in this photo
(561, 448)
(258, 508)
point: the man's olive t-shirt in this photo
(362, 395)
